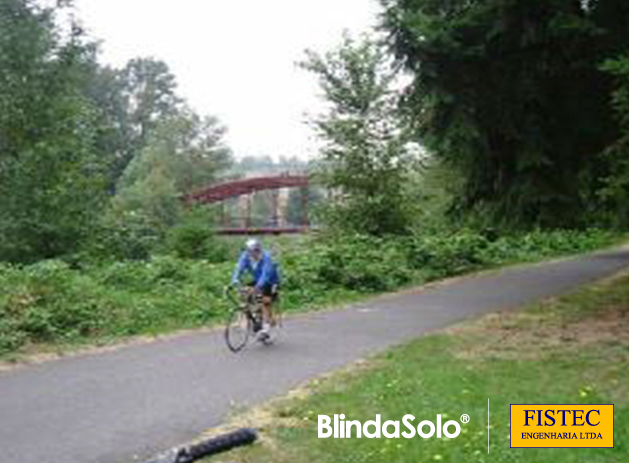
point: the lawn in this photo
(571, 350)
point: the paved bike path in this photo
(136, 401)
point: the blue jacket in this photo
(264, 273)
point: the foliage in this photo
(615, 191)
(194, 238)
(509, 93)
(52, 302)
(124, 236)
(184, 152)
(138, 105)
(359, 263)
(51, 181)
(187, 147)
(432, 188)
(454, 253)
(49, 302)
(295, 213)
(70, 127)
(132, 102)
(365, 155)
(154, 198)
(149, 90)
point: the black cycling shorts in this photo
(271, 291)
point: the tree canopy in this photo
(365, 157)
(71, 127)
(511, 93)
(50, 180)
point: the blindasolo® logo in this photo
(389, 429)
(551, 425)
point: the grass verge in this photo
(574, 349)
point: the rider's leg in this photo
(264, 333)
(267, 312)
(268, 319)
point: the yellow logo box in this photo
(550, 426)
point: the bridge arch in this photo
(246, 188)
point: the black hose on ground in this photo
(219, 444)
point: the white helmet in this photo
(253, 245)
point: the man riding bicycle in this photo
(266, 279)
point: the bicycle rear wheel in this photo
(237, 330)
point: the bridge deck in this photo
(264, 230)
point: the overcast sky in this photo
(234, 58)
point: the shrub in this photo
(194, 240)
(53, 302)
(446, 255)
(127, 237)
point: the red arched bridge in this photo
(245, 188)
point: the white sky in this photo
(234, 58)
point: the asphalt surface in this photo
(134, 402)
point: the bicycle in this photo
(244, 320)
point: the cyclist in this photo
(266, 279)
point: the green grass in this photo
(57, 305)
(569, 350)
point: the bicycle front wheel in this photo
(237, 330)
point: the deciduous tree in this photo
(50, 179)
(365, 156)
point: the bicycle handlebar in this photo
(243, 292)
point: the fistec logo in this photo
(547, 426)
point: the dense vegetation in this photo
(87, 150)
(52, 302)
(512, 95)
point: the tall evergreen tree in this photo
(511, 94)
(615, 191)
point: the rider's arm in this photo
(241, 266)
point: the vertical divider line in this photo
(488, 425)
